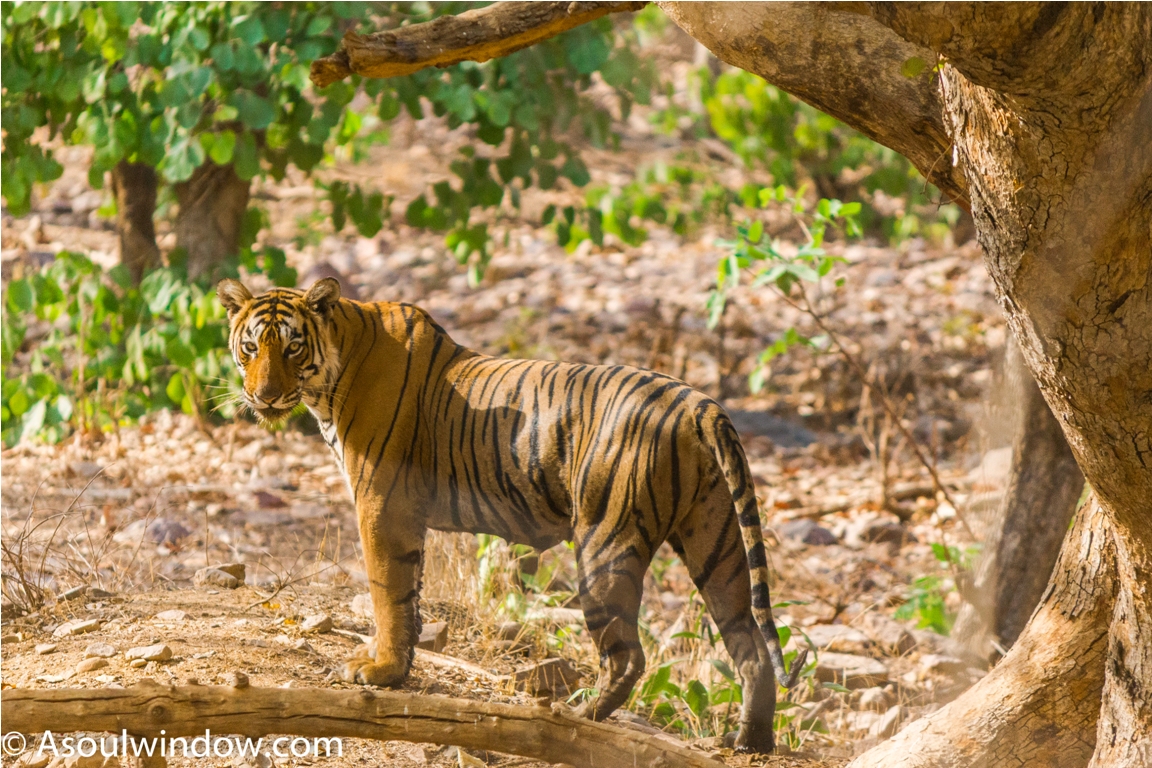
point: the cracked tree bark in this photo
(1023, 541)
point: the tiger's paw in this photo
(365, 670)
(753, 739)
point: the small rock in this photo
(216, 578)
(859, 722)
(851, 671)
(269, 500)
(73, 594)
(91, 665)
(303, 645)
(874, 698)
(890, 635)
(553, 676)
(927, 640)
(95, 593)
(236, 679)
(12, 637)
(33, 758)
(238, 570)
(837, 638)
(259, 760)
(887, 533)
(43, 649)
(465, 760)
(93, 761)
(941, 664)
(78, 627)
(173, 615)
(99, 651)
(138, 663)
(434, 636)
(887, 723)
(362, 606)
(168, 532)
(157, 652)
(510, 630)
(807, 532)
(317, 624)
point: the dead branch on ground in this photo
(550, 734)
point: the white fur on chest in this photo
(329, 432)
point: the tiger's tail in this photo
(734, 465)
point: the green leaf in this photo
(256, 112)
(913, 67)
(696, 697)
(21, 298)
(756, 231)
(249, 29)
(183, 159)
(245, 158)
(175, 388)
(222, 147)
(33, 420)
(723, 669)
(179, 353)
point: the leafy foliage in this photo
(771, 263)
(798, 145)
(175, 86)
(90, 350)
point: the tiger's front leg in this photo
(393, 549)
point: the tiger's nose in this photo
(267, 393)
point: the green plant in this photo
(797, 144)
(926, 604)
(772, 264)
(86, 349)
(927, 598)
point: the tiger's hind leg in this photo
(610, 591)
(708, 541)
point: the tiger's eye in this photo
(248, 348)
(295, 348)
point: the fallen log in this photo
(476, 35)
(550, 734)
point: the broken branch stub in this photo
(477, 35)
(549, 734)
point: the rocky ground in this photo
(115, 528)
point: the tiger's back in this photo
(616, 459)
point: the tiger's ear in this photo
(233, 295)
(323, 295)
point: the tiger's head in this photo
(279, 340)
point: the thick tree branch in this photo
(1034, 52)
(545, 734)
(841, 62)
(478, 35)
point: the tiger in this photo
(432, 435)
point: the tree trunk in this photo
(134, 186)
(212, 207)
(1024, 540)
